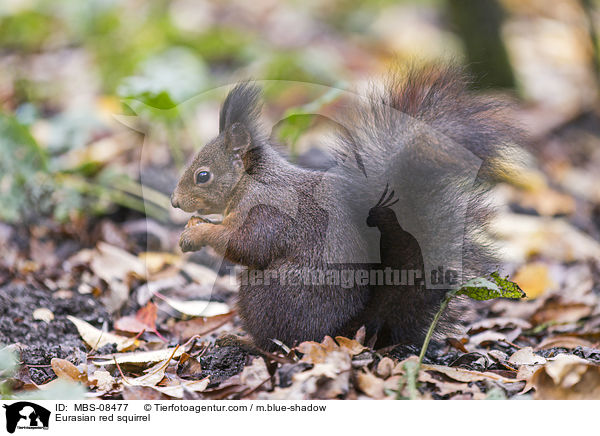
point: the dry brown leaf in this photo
(137, 357)
(487, 336)
(534, 279)
(188, 367)
(156, 261)
(143, 393)
(451, 389)
(326, 380)
(65, 370)
(526, 356)
(554, 239)
(567, 377)
(255, 374)
(568, 342)
(315, 352)
(115, 266)
(143, 320)
(153, 374)
(458, 344)
(102, 381)
(178, 390)
(370, 384)
(43, 314)
(499, 323)
(112, 262)
(547, 202)
(465, 375)
(199, 273)
(96, 338)
(385, 367)
(184, 330)
(556, 311)
(204, 308)
(353, 347)
(525, 372)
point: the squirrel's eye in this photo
(203, 177)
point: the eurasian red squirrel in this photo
(321, 254)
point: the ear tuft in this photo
(242, 106)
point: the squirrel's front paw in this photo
(192, 239)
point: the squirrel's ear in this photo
(237, 139)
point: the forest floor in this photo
(106, 306)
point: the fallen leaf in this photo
(102, 381)
(153, 374)
(255, 374)
(465, 375)
(178, 390)
(315, 352)
(110, 263)
(137, 357)
(43, 314)
(568, 342)
(552, 239)
(370, 384)
(326, 380)
(451, 389)
(385, 367)
(199, 273)
(567, 377)
(487, 336)
(559, 312)
(455, 343)
(198, 307)
(143, 393)
(526, 356)
(534, 279)
(188, 367)
(156, 261)
(65, 369)
(143, 320)
(96, 338)
(352, 346)
(184, 330)
(116, 266)
(547, 202)
(499, 323)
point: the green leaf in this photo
(494, 286)
(24, 183)
(167, 79)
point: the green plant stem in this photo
(449, 296)
(411, 373)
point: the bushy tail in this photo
(439, 147)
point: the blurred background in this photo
(103, 101)
(68, 67)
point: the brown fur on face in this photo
(222, 159)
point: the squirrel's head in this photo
(207, 183)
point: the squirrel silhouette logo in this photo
(24, 414)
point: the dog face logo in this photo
(24, 414)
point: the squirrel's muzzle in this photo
(174, 201)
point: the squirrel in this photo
(363, 243)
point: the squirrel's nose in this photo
(174, 201)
